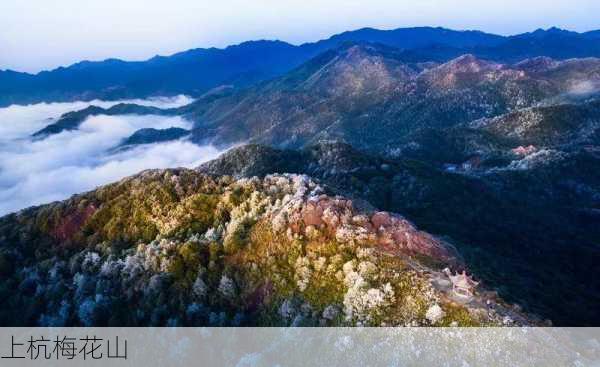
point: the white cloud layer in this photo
(585, 87)
(37, 172)
(22, 120)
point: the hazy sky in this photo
(42, 34)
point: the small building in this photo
(524, 151)
(462, 284)
(471, 163)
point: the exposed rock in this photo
(71, 224)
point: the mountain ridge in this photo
(370, 96)
(220, 252)
(514, 227)
(185, 72)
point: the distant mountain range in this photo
(371, 97)
(196, 71)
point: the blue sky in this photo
(42, 34)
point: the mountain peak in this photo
(466, 59)
(558, 30)
(537, 64)
(351, 69)
(469, 63)
(543, 33)
(464, 71)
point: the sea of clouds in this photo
(35, 172)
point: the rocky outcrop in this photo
(71, 223)
(338, 217)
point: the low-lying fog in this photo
(41, 171)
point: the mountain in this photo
(149, 136)
(372, 98)
(413, 38)
(196, 71)
(176, 247)
(528, 232)
(553, 42)
(499, 140)
(548, 126)
(592, 34)
(72, 120)
(191, 72)
(68, 121)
